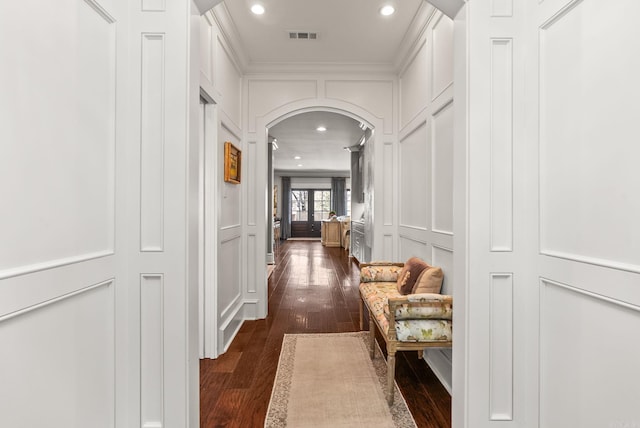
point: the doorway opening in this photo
(308, 208)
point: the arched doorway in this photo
(315, 152)
(259, 214)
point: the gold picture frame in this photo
(232, 163)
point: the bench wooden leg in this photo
(420, 354)
(372, 336)
(391, 373)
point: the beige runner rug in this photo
(328, 380)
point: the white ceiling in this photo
(351, 33)
(318, 151)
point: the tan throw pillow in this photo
(429, 281)
(409, 274)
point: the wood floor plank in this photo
(313, 289)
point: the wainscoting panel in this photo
(588, 349)
(414, 87)
(410, 247)
(502, 8)
(414, 178)
(588, 169)
(58, 359)
(57, 151)
(267, 95)
(443, 257)
(374, 94)
(442, 171)
(442, 75)
(387, 251)
(230, 274)
(250, 167)
(152, 136)
(152, 350)
(501, 145)
(228, 81)
(389, 178)
(153, 5)
(252, 253)
(206, 51)
(501, 347)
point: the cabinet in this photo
(357, 241)
(330, 233)
(345, 234)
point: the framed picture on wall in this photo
(232, 163)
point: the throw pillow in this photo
(409, 274)
(429, 281)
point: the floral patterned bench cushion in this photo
(413, 324)
(384, 272)
(423, 330)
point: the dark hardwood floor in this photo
(313, 289)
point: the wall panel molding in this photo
(442, 56)
(441, 170)
(373, 95)
(501, 141)
(501, 8)
(95, 5)
(388, 177)
(152, 350)
(11, 315)
(152, 139)
(567, 353)
(501, 347)
(252, 253)
(411, 103)
(153, 6)
(233, 304)
(250, 167)
(52, 264)
(267, 95)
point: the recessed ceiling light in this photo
(321, 128)
(299, 164)
(387, 10)
(297, 157)
(258, 9)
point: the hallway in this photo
(313, 289)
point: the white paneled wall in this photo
(551, 287)
(58, 258)
(221, 81)
(425, 161)
(587, 78)
(67, 201)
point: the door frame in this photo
(311, 220)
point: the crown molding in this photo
(229, 31)
(448, 7)
(257, 68)
(205, 5)
(413, 36)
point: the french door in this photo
(308, 208)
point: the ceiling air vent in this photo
(302, 35)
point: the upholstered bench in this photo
(408, 322)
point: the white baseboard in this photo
(247, 310)
(441, 366)
(229, 328)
